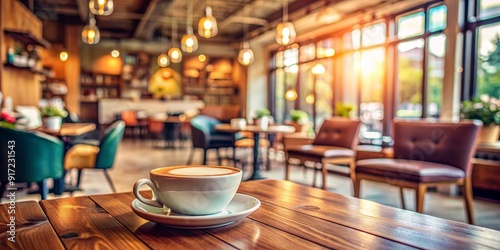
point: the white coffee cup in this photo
(238, 123)
(191, 189)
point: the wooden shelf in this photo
(99, 86)
(27, 68)
(26, 38)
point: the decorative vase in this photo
(299, 127)
(263, 122)
(489, 133)
(52, 123)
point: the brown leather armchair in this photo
(425, 154)
(334, 144)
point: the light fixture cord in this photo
(174, 30)
(190, 18)
(285, 11)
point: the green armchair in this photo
(83, 156)
(37, 157)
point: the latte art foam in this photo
(193, 171)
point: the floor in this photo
(136, 158)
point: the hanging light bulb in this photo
(285, 31)
(245, 57)
(101, 7)
(318, 69)
(90, 33)
(115, 53)
(189, 42)
(174, 53)
(163, 60)
(207, 26)
(291, 94)
(310, 98)
(63, 56)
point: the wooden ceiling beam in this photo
(83, 9)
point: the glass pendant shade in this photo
(310, 98)
(285, 33)
(101, 7)
(291, 94)
(175, 55)
(245, 57)
(90, 33)
(207, 27)
(189, 42)
(163, 60)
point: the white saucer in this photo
(240, 207)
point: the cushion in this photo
(319, 151)
(419, 171)
(81, 156)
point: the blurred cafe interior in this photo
(395, 102)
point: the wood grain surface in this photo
(82, 224)
(32, 229)
(406, 227)
(291, 216)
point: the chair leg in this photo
(467, 190)
(190, 157)
(325, 172)
(79, 178)
(287, 167)
(356, 183)
(106, 174)
(315, 174)
(268, 159)
(43, 188)
(204, 157)
(219, 160)
(420, 196)
(2, 189)
(402, 195)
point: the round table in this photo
(256, 130)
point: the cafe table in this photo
(256, 131)
(172, 127)
(291, 216)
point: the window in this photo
(372, 83)
(488, 61)
(437, 18)
(435, 74)
(307, 52)
(411, 25)
(409, 79)
(489, 8)
(325, 48)
(352, 40)
(373, 35)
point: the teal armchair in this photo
(37, 157)
(82, 156)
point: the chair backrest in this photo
(440, 142)
(155, 127)
(338, 132)
(201, 128)
(37, 155)
(109, 145)
(129, 117)
(223, 113)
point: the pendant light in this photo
(285, 31)
(291, 94)
(90, 33)
(174, 52)
(245, 57)
(163, 60)
(101, 7)
(207, 26)
(189, 42)
(63, 56)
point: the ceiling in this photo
(149, 19)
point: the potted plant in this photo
(344, 109)
(263, 117)
(52, 117)
(300, 120)
(487, 110)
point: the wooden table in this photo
(171, 124)
(291, 217)
(69, 129)
(256, 130)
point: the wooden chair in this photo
(334, 144)
(425, 154)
